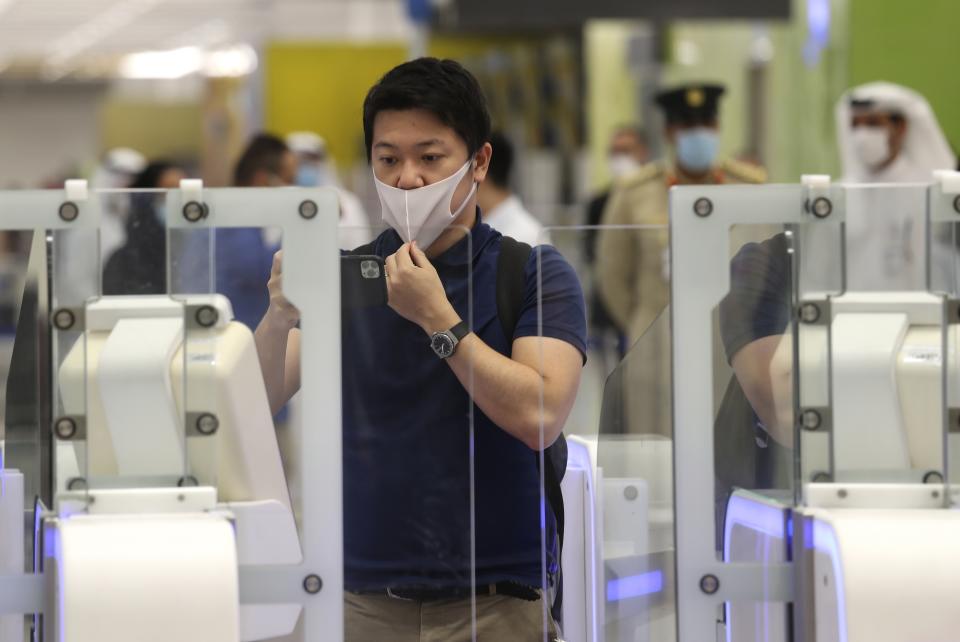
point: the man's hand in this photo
(281, 314)
(415, 292)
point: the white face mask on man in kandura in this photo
(423, 213)
(871, 145)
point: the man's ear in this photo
(483, 162)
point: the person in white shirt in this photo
(889, 134)
(500, 208)
(317, 169)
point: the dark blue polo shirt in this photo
(409, 516)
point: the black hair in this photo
(150, 176)
(264, 152)
(501, 162)
(442, 87)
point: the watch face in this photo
(442, 345)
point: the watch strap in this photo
(460, 330)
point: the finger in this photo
(390, 267)
(277, 262)
(403, 256)
(389, 281)
(417, 255)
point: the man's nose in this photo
(410, 177)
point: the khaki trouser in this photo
(379, 618)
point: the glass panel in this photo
(617, 556)
(26, 390)
(754, 426)
(899, 330)
(945, 280)
(735, 277)
(274, 464)
(22, 467)
(816, 250)
(116, 360)
(74, 281)
(424, 470)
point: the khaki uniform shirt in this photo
(633, 265)
(633, 279)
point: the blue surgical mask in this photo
(315, 175)
(308, 175)
(697, 148)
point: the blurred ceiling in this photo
(61, 37)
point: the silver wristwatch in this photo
(445, 343)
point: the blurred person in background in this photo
(139, 266)
(633, 267)
(244, 255)
(117, 170)
(500, 208)
(627, 152)
(888, 133)
(316, 168)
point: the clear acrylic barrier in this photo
(22, 473)
(618, 543)
(30, 220)
(416, 519)
(635, 585)
(944, 246)
(828, 294)
(210, 369)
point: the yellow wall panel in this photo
(158, 130)
(321, 87)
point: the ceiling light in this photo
(240, 60)
(175, 63)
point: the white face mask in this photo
(621, 164)
(423, 213)
(871, 145)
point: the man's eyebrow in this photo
(424, 143)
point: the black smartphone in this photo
(363, 281)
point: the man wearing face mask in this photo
(316, 168)
(633, 266)
(427, 526)
(628, 152)
(889, 134)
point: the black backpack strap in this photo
(511, 283)
(511, 286)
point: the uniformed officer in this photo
(633, 266)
